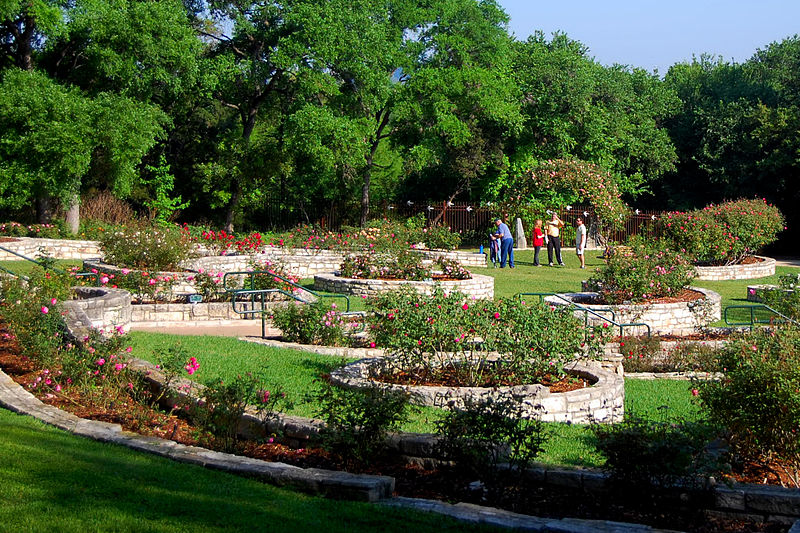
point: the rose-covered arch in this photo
(555, 183)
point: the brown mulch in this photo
(686, 295)
(749, 260)
(8, 239)
(411, 480)
(449, 377)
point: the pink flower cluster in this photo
(192, 366)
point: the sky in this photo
(655, 34)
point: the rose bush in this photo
(641, 271)
(726, 233)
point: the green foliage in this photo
(786, 297)
(146, 248)
(358, 421)
(757, 401)
(641, 453)
(163, 208)
(643, 271)
(644, 354)
(554, 183)
(405, 265)
(428, 335)
(220, 411)
(314, 323)
(484, 433)
(725, 233)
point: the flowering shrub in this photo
(439, 333)
(724, 233)
(786, 297)
(451, 268)
(142, 285)
(315, 323)
(146, 248)
(400, 265)
(270, 278)
(207, 284)
(554, 183)
(757, 400)
(45, 231)
(641, 272)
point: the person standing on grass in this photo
(538, 241)
(580, 241)
(554, 240)
(506, 244)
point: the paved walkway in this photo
(788, 261)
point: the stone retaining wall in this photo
(101, 308)
(680, 318)
(479, 286)
(56, 248)
(762, 269)
(602, 401)
(172, 312)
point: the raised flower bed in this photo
(667, 318)
(479, 286)
(756, 267)
(602, 400)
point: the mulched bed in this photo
(449, 377)
(8, 239)
(411, 480)
(749, 260)
(434, 277)
(686, 295)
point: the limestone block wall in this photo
(56, 248)
(602, 401)
(680, 318)
(100, 308)
(479, 286)
(764, 268)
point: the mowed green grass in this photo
(54, 481)
(22, 267)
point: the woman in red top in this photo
(538, 241)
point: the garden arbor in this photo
(552, 184)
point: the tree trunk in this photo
(73, 216)
(45, 209)
(365, 194)
(232, 206)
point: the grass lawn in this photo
(25, 267)
(54, 481)
(296, 371)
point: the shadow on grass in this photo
(56, 481)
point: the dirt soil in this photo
(686, 295)
(412, 481)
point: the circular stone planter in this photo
(761, 269)
(679, 318)
(603, 401)
(100, 308)
(479, 286)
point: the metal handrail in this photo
(252, 274)
(586, 312)
(46, 267)
(255, 293)
(753, 320)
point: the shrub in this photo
(269, 276)
(487, 432)
(644, 271)
(429, 335)
(451, 268)
(438, 238)
(758, 400)
(643, 354)
(314, 323)
(359, 420)
(207, 284)
(143, 285)
(146, 248)
(786, 297)
(44, 231)
(640, 453)
(404, 265)
(725, 233)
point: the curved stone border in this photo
(762, 269)
(101, 308)
(479, 286)
(602, 402)
(676, 376)
(680, 318)
(336, 351)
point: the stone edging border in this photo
(329, 483)
(762, 269)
